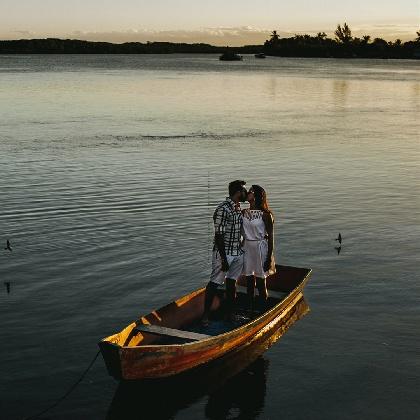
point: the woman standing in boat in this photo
(258, 242)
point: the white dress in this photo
(255, 244)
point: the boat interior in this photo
(179, 322)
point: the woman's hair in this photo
(261, 202)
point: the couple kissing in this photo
(243, 246)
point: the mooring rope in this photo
(71, 389)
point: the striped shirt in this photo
(227, 220)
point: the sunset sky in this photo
(227, 22)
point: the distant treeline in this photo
(344, 45)
(74, 46)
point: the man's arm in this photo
(220, 244)
(220, 220)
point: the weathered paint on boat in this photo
(130, 354)
(214, 378)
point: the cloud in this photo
(24, 34)
(387, 31)
(243, 35)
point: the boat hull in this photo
(157, 361)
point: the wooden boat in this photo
(171, 340)
(242, 369)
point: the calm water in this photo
(110, 169)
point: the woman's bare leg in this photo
(230, 297)
(262, 289)
(250, 287)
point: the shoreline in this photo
(285, 48)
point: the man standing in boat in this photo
(227, 257)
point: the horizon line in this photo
(233, 36)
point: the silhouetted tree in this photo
(321, 36)
(365, 39)
(274, 38)
(379, 42)
(343, 33)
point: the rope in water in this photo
(71, 389)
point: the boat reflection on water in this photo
(235, 382)
(241, 396)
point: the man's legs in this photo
(210, 293)
(217, 277)
(235, 271)
(230, 297)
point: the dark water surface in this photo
(110, 169)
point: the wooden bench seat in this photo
(171, 332)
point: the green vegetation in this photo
(344, 45)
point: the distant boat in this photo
(171, 340)
(230, 56)
(260, 55)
